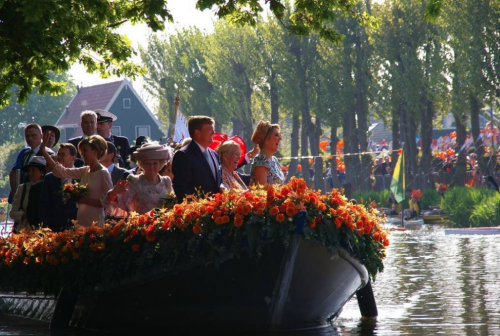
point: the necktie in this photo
(210, 162)
(26, 160)
(27, 157)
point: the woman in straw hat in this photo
(266, 168)
(36, 171)
(143, 192)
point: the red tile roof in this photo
(88, 98)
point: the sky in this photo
(185, 15)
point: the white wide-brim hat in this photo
(152, 152)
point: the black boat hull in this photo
(301, 286)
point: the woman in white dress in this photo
(143, 192)
(94, 174)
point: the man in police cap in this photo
(104, 124)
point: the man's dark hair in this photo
(197, 123)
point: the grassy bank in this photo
(466, 207)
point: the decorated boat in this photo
(473, 231)
(278, 258)
(396, 220)
(435, 219)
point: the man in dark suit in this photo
(53, 212)
(104, 125)
(89, 125)
(108, 160)
(196, 166)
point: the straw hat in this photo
(152, 152)
(35, 161)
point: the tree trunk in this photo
(396, 144)
(362, 114)
(426, 118)
(237, 127)
(351, 147)
(294, 144)
(476, 131)
(304, 162)
(411, 152)
(333, 161)
(319, 180)
(460, 167)
(274, 98)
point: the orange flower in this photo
(135, 247)
(338, 222)
(238, 220)
(196, 229)
(280, 218)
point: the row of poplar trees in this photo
(403, 69)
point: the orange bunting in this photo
(323, 144)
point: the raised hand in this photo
(121, 187)
(253, 152)
(46, 137)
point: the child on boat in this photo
(395, 206)
(413, 203)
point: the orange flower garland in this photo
(167, 234)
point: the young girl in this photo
(92, 148)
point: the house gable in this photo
(134, 117)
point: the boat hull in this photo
(435, 219)
(473, 231)
(302, 286)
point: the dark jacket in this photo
(33, 204)
(123, 147)
(75, 141)
(52, 211)
(117, 174)
(191, 171)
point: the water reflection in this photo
(432, 284)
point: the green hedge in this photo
(466, 207)
(472, 207)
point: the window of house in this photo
(116, 130)
(144, 130)
(126, 103)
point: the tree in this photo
(234, 67)
(178, 62)
(42, 109)
(42, 36)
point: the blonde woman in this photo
(266, 168)
(229, 153)
(94, 174)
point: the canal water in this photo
(432, 284)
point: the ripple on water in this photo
(433, 283)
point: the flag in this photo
(398, 179)
(181, 129)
